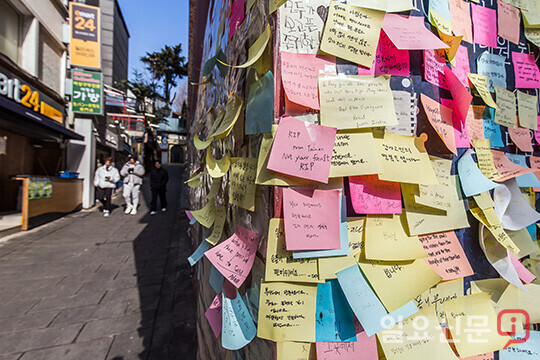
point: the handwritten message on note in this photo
(505, 115)
(446, 256)
(280, 264)
(405, 112)
(234, 257)
(369, 195)
(352, 33)
(460, 12)
(440, 118)
(301, 23)
(526, 71)
(214, 314)
(508, 21)
(242, 190)
(311, 219)
(296, 351)
(492, 67)
(484, 22)
(238, 327)
(480, 84)
(287, 312)
(404, 159)
(527, 112)
(434, 64)
(356, 101)
(439, 294)
(335, 318)
(354, 154)
(461, 66)
(521, 138)
(300, 75)
(410, 33)
(365, 348)
(388, 60)
(302, 150)
(355, 229)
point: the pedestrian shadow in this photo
(166, 302)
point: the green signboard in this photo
(87, 94)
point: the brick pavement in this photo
(89, 287)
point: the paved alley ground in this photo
(89, 287)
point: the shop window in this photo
(9, 31)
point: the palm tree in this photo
(166, 65)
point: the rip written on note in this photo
(311, 219)
(302, 150)
(446, 256)
(234, 257)
(356, 101)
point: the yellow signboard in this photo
(85, 35)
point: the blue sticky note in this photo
(532, 231)
(492, 130)
(473, 181)
(366, 305)
(525, 180)
(492, 66)
(440, 7)
(530, 349)
(199, 253)
(335, 318)
(343, 238)
(260, 106)
(192, 221)
(238, 328)
(216, 279)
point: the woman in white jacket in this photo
(133, 173)
(105, 181)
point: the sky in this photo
(152, 24)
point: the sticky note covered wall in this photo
(363, 178)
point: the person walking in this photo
(105, 181)
(158, 184)
(133, 173)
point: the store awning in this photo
(32, 124)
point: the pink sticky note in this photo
(506, 168)
(460, 12)
(434, 65)
(460, 94)
(302, 150)
(508, 20)
(389, 60)
(488, 356)
(311, 219)
(462, 65)
(525, 275)
(214, 314)
(234, 257)
(410, 33)
(364, 348)
(440, 118)
(369, 195)
(525, 70)
(299, 74)
(237, 16)
(461, 133)
(484, 22)
(522, 138)
(446, 256)
(189, 215)
(534, 161)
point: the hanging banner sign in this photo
(87, 92)
(85, 35)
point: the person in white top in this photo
(133, 173)
(105, 181)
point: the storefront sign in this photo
(18, 91)
(111, 139)
(85, 35)
(87, 92)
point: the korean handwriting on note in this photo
(243, 174)
(301, 24)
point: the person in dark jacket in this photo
(158, 183)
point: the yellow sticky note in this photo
(280, 265)
(329, 266)
(217, 168)
(207, 215)
(527, 113)
(256, 50)
(436, 297)
(242, 185)
(356, 101)
(296, 351)
(355, 231)
(219, 223)
(473, 324)
(397, 283)
(480, 84)
(534, 267)
(231, 115)
(214, 188)
(269, 177)
(406, 340)
(384, 5)
(484, 200)
(496, 230)
(485, 159)
(441, 23)
(354, 154)
(427, 220)
(527, 302)
(275, 4)
(524, 242)
(387, 240)
(404, 159)
(533, 35)
(352, 33)
(287, 312)
(505, 114)
(437, 196)
(202, 144)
